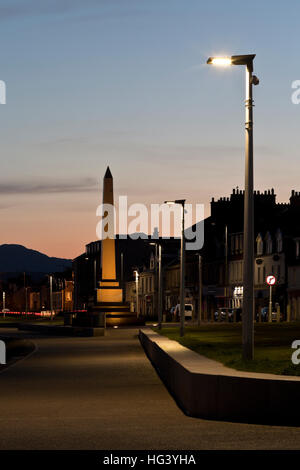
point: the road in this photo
(103, 393)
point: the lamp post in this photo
(3, 304)
(137, 291)
(271, 282)
(51, 294)
(248, 269)
(160, 305)
(200, 289)
(226, 269)
(182, 265)
(25, 291)
(122, 275)
(159, 302)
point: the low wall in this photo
(206, 389)
(62, 330)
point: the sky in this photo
(124, 83)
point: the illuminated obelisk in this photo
(109, 298)
(109, 289)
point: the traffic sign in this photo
(271, 280)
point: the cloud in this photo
(16, 8)
(5, 206)
(49, 187)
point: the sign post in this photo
(271, 281)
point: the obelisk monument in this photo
(109, 289)
(109, 294)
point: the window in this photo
(152, 263)
(269, 244)
(236, 244)
(241, 243)
(279, 241)
(241, 272)
(259, 245)
(232, 244)
(297, 248)
(258, 275)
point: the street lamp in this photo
(159, 303)
(51, 295)
(199, 289)
(248, 269)
(182, 265)
(137, 290)
(3, 303)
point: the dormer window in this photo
(279, 241)
(152, 261)
(269, 243)
(259, 245)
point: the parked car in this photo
(274, 316)
(188, 311)
(264, 313)
(223, 314)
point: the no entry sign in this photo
(271, 280)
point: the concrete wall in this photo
(241, 397)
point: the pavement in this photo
(103, 393)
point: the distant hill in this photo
(18, 258)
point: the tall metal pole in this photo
(248, 285)
(3, 306)
(26, 303)
(159, 288)
(156, 284)
(200, 290)
(137, 292)
(270, 305)
(51, 296)
(25, 292)
(122, 275)
(182, 276)
(95, 273)
(226, 266)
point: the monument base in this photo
(109, 302)
(117, 314)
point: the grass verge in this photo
(222, 342)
